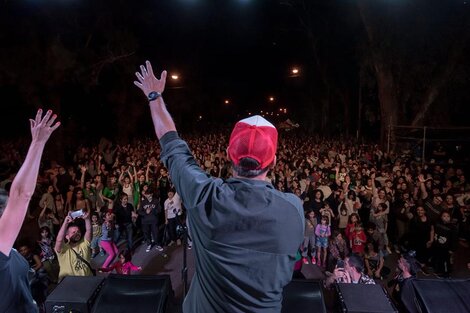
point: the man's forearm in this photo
(60, 238)
(21, 191)
(161, 118)
(88, 229)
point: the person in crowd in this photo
(124, 226)
(351, 272)
(403, 291)
(337, 250)
(220, 211)
(327, 212)
(444, 244)
(48, 257)
(421, 235)
(78, 201)
(38, 279)
(123, 265)
(380, 218)
(107, 238)
(48, 218)
(127, 185)
(322, 234)
(403, 214)
(374, 262)
(343, 217)
(13, 267)
(47, 199)
(432, 203)
(309, 237)
(358, 239)
(72, 248)
(96, 234)
(110, 192)
(60, 207)
(148, 211)
(173, 209)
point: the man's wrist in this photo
(154, 95)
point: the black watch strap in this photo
(154, 95)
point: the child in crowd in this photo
(96, 233)
(328, 212)
(322, 233)
(309, 237)
(343, 217)
(47, 255)
(123, 265)
(353, 222)
(358, 239)
(380, 219)
(106, 241)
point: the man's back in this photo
(246, 235)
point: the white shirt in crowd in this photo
(173, 206)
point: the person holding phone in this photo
(16, 293)
(351, 271)
(72, 248)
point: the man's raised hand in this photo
(41, 127)
(147, 82)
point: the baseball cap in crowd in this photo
(253, 137)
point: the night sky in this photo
(79, 57)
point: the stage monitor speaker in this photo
(134, 293)
(436, 296)
(362, 298)
(74, 294)
(301, 296)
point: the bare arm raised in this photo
(148, 83)
(24, 183)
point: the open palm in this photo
(147, 82)
(41, 127)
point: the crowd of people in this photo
(356, 198)
(354, 205)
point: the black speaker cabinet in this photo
(442, 296)
(135, 294)
(74, 294)
(361, 298)
(301, 296)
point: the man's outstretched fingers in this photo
(149, 68)
(138, 84)
(51, 121)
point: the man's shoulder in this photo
(366, 280)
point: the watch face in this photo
(153, 95)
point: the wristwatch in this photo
(153, 95)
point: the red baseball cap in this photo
(253, 137)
